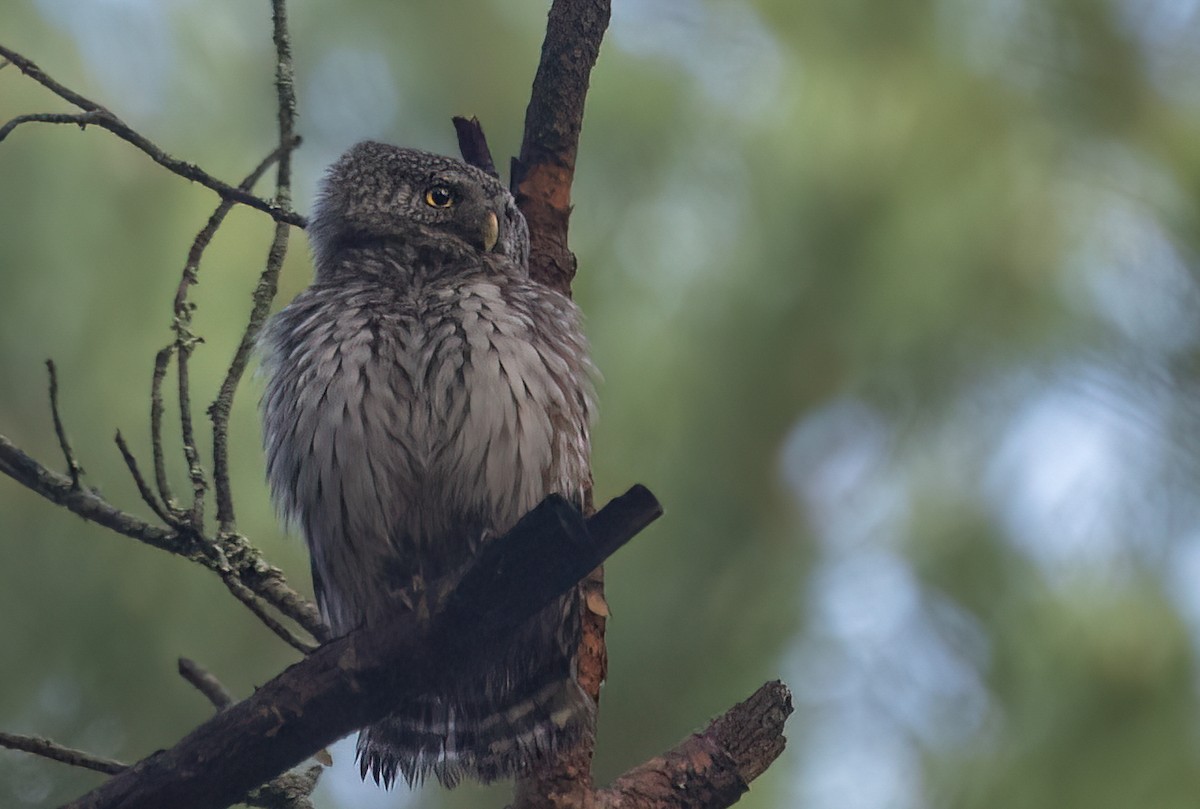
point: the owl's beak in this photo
(491, 231)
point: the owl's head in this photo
(376, 193)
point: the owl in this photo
(421, 396)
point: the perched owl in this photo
(422, 395)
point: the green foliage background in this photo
(896, 304)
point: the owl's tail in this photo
(501, 722)
(451, 741)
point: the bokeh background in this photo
(897, 305)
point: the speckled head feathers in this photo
(378, 193)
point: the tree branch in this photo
(243, 559)
(473, 145)
(541, 182)
(204, 682)
(143, 488)
(711, 769)
(57, 752)
(356, 679)
(100, 116)
(73, 467)
(542, 175)
(268, 282)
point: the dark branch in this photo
(73, 467)
(143, 488)
(472, 144)
(247, 596)
(542, 175)
(205, 683)
(80, 119)
(354, 680)
(57, 752)
(85, 503)
(237, 554)
(714, 768)
(102, 117)
(162, 362)
(541, 182)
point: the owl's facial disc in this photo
(491, 231)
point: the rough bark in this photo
(356, 679)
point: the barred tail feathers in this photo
(453, 739)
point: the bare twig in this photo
(245, 595)
(87, 504)
(268, 281)
(161, 362)
(184, 344)
(67, 755)
(237, 554)
(472, 144)
(80, 119)
(73, 467)
(102, 117)
(143, 488)
(205, 683)
(219, 410)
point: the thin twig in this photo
(103, 117)
(245, 595)
(73, 467)
(57, 752)
(268, 281)
(183, 310)
(143, 488)
(206, 683)
(183, 351)
(219, 410)
(245, 562)
(80, 119)
(268, 583)
(161, 362)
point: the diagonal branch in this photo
(238, 555)
(353, 680)
(143, 488)
(204, 682)
(73, 467)
(713, 768)
(102, 117)
(53, 750)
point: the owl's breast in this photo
(396, 425)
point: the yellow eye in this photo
(439, 197)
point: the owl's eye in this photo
(439, 197)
